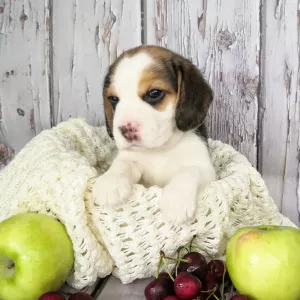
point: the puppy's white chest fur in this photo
(182, 169)
(159, 166)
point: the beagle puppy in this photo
(155, 101)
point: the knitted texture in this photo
(54, 173)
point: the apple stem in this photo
(7, 267)
(11, 265)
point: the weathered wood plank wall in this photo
(54, 54)
(24, 70)
(222, 38)
(95, 32)
(279, 118)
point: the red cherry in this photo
(187, 285)
(52, 296)
(196, 265)
(217, 267)
(164, 275)
(201, 297)
(210, 283)
(81, 296)
(171, 298)
(159, 289)
(238, 297)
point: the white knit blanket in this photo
(53, 174)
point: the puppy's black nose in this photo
(129, 132)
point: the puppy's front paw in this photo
(111, 190)
(178, 202)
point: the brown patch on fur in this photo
(109, 116)
(108, 108)
(166, 101)
(156, 77)
(179, 80)
(110, 91)
(194, 93)
(156, 52)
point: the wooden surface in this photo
(113, 289)
(54, 54)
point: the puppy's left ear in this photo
(194, 96)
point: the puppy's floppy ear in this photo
(194, 95)
(108, 109)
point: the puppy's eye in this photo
(154, 96)
(113, 99)
(155, 93)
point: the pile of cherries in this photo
(193, 278)
(60, 296)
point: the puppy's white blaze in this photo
(128, 74)
(154, 127)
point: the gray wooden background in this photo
(54, 54)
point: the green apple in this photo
(36, 256)
(264, 262)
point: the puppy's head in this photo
(151, 95)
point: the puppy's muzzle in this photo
(129, 132)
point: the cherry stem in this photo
(163, 258)
(212, 293)
(216, 297)
(201, 249)
(167, 268)
(177, 259)
(162, 253)
(223, 283)
(191, 242)
(187, 249)
(158, 267)
(184, 248)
